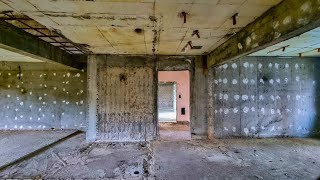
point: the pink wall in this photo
(182, 79)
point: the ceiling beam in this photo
(19, 41)
(288, 19)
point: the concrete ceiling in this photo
(108, 26)
(305, 45)
(6, 55)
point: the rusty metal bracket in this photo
(190, 44)
(234, 18)
(184, 14)
(196, 32)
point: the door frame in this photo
(190, 73)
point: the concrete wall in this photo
(199, 94)
(110, 119)
(126, 98)
(266, 97)
(182, 79)
(41, 96)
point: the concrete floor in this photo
(76, 159)
(166, 160)
(17, 144)
(238, 159)
(174, 131)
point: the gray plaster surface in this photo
(41, 96)
(266, 97)
(17, 144)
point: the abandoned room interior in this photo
(160, 89)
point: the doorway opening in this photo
(167, 102)
(174, 105)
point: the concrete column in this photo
(92, 98)
(175, 97)
(210, 104)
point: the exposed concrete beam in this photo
(288, 19)
(19, 41)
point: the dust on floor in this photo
(77, 160)
(17, 144)
(237, 159)
(174, 160)
(174, 131)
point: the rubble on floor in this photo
(17, 145)
(77, 160)
(174, 160)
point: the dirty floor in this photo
(174, 131)
(166, 160)
(17, 144)
(77, 160)
(238, 159)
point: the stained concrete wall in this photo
(133, 117)
(199, 94)
(41, 96)
(266, 97)
(126, 98)
(182, 79)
